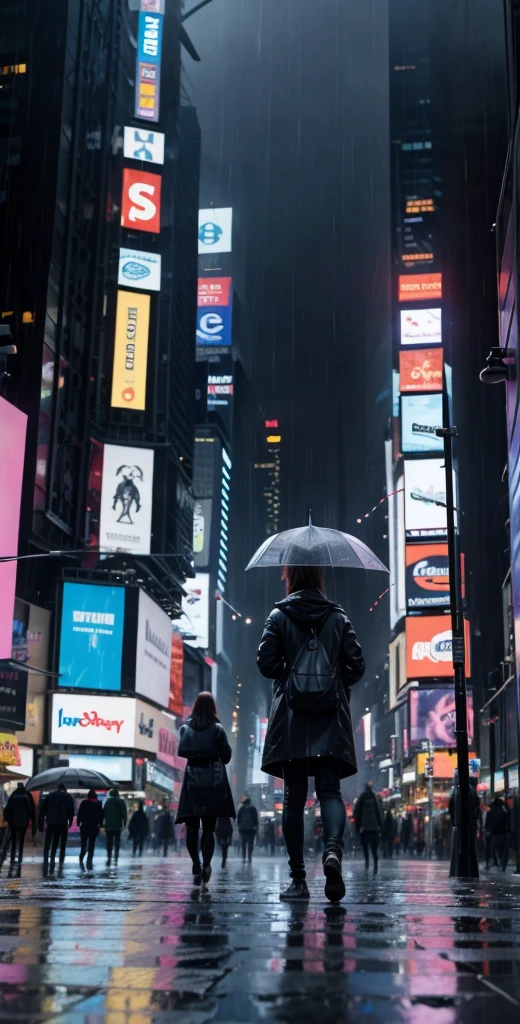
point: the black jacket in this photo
(224, 830)
(139, 826)
(497, 819)
(90, 817)
(19, 810)
(247, 817)
(202, 748)
(57, 809)
(368, 815)
(164, 827)
(296, 737)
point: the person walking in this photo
(224, 834)
(57, 810)
(114, 821)
(139, 829)
(368, 818)
(18, 812)
(205, 794)
(406, 833)
(165, 832)
(270, 836)
(247, 821)
(311, 652)
(498, 825)
(389, 834)
(89, 820)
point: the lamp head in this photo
(496, 371)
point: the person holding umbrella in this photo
(89, 819)
(311, 652)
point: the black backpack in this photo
(314, 682)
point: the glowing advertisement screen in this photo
(421, 415)
(425, 498)
(421, 327)
(432, 717)
(91, 638)
(12, 453)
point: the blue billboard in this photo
(91, 636)
(214, 325)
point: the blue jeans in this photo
(327, 775)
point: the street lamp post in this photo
(464, 863)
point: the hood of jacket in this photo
(307, 607)
(197, 726)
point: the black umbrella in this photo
(72, 778)
(315, 545)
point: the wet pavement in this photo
(138, 944)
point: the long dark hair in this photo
(302, 577)
(204, 710)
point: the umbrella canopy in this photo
(72, 778)
(315, 545)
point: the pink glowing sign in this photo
(13, 425)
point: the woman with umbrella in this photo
(310, 650)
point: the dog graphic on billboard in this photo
(127, 492)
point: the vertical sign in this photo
(148, 64)
(13, 425)
(130, 351)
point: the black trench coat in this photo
(202, 746)
(293, 736)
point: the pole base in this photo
(457, 868)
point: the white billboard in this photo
(421, 327)
(86, 720)
(126, 499)
(215, 228)
(147, 724)
(142, 144)
(117, 769)
(139, 270)
(153, 651)
(425, 497)
(421, 415)
(195, 607)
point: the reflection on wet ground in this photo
(138, 945)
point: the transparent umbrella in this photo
(315, 545)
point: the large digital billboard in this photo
(424, 498)
(215, 228)
(432, 717)
(427, 576)
(420, 286)
(421, 327)
(420, 369)
(214, 310)
(153, 651)
(13, 425)
(202, 515)
(126, 499)
(91, 636)
(421, 415)
(117, 769)
(195, 607)
(141, 205)
(88, 720)
(175, 702)
(130, 361)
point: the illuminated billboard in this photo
(420, 370)
(421, 415)
(420, 286)
(145, 145)
(130, 351)
(397, 668)
(429, 647)
(91, 636)
(202, 531)
(421, 327)
(13, 425)
(148, 61)
(432, 717)
(214, 307)
(141, 205)
(215, 227)
(139, 269)
(424, 498)
(195, 607)
(220, 389)
(126, 499)
(175, 702)
(427, 576)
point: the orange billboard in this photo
(420, 369)
(429, 647)
(419, 286)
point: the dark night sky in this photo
(292, 98)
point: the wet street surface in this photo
(139, 944)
